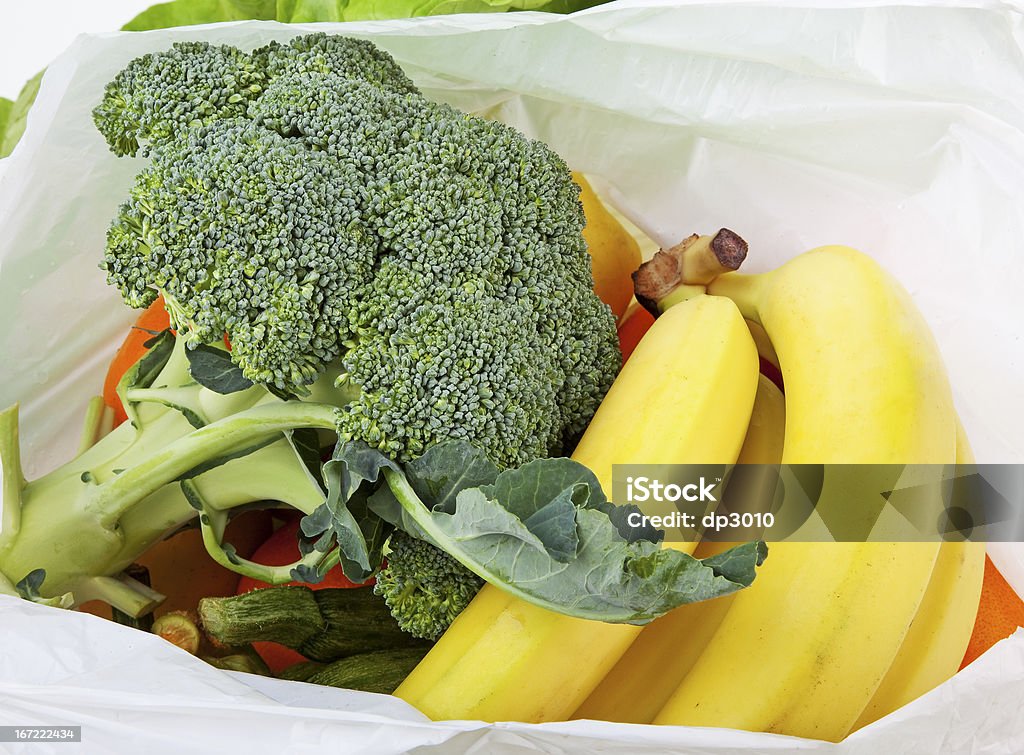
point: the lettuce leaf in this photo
(544, 532)
(192, 12)
(303, 11)
(5, 112)
(13, 126)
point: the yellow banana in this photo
(937, 640)
(765, 350)
(763, 442)
(803, 650)
(685, 396)
(614, 253)
(644, 678)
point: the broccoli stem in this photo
(7, 587)
(238, 432)
(127, 594)
(212, 523)
(116, 499)
(11, 480)
(92, 427)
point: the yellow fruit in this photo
(614, 253)
(651, 669)
(938, 638)
(803, 650)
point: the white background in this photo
(35, 32)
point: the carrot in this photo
(154, 318)
(1000, 612)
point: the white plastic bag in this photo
(895, 128)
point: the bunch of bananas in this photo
(831, 636)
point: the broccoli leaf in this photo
(212, 368)
(306, 443)
(360, 533)
(148, 368)
(544, 532)
(28, 588)
(447, 469)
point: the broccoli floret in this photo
(338, 56)
(437, 256)
(423, 586)
(160, 95)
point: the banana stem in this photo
(704, 258)
(677, 272)
(744, 290)
(682, 293)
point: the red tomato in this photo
(632, 330)
(283, 548)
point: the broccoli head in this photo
(315, 207)
(423, 586)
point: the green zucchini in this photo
(323, 625)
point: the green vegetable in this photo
(179, 628)
(546, 533)
(306, 200)
(323, 625)
(414, 273)
(194, 12)
(81, 525)
(424, 587)
(188, 12)
(5, 112)
(300, 672)
(13, 126)
(247, 661)
(381, 671)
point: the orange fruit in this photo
(1000, 612)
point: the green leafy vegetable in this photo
(5, 111)
(213, 369)
(194, 12)
(305, 11)
(17, 115)
(541, 531)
